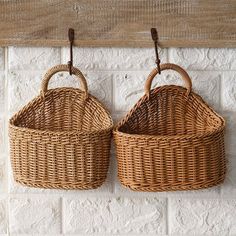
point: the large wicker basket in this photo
(171, 140)
(61, 139)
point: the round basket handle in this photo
(59, 68)
(169, 66)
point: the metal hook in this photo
(71, 35)
(155, 40)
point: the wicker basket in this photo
(61, 139)
(171, 140)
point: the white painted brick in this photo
(2, 92)
(188, 58)
(230, 134)
(35, 215)
(229, 91)
(202, 217)
(37, 235)
(229, 186)
(204, 58)
(114, 58)
(221, 59)
(115, 216)
(3, 176)
(207, 85)
(3, 215)
(129, 87)
(2, 138)
(22, 87)
(100, 86)
(33, 58)
(2, 59)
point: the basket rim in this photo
(57, 133)
(168, 137)
(51, 132)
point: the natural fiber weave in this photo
(61, 139)
(171, 140)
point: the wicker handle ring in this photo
(169, 66)
(60, 68)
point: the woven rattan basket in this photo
(171, 140)
(61, 139)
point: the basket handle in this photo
(169, 66)
(59, 68)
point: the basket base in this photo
(177, 187)
(63, 186)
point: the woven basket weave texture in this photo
(61, 139)
(170, 140)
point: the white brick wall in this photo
(116, 76)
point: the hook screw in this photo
(71, 36)
(155, 40)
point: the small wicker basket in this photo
(61, 139)
(171, 140)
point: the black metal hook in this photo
(155, 40)
(71, 36)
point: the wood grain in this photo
(180, 23)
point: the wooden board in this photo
(180, 23)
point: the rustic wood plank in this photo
(180, 23)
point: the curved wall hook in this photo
(71, 36)
(155, 40)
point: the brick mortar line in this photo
(138, 195)
(124, 70)
(6, 151)
(221, 109)
(62, 215)
(113, 95)
(167, 216)
(168, 55)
